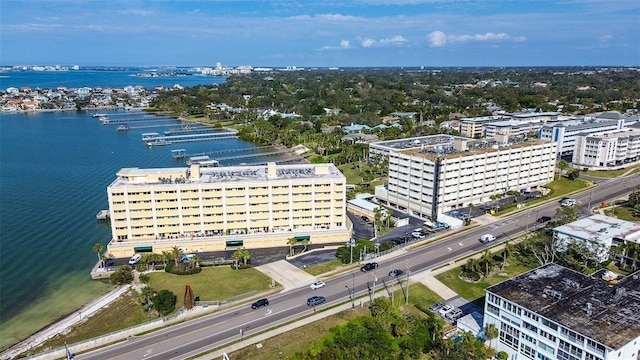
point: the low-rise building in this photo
(220, 208)
(599, 233)
(556, 313)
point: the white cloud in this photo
(344, 44)
(368, 43)
(439, 39)
(605, 37)
(137, 12)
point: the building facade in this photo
(611, 149)
(219, 208)
(555, 313)
(566, 133)
(434, 174)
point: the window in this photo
(527, 351)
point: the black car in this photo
(543, 219)
(364, 218)
(368, 266)
(316, 300)
(396, 272)
(260, 303)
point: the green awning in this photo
(302, 238)
(234, 242)
(143, 249)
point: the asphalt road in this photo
(195, 336)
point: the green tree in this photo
(165, 302)
(123, 275)
(565, 215)
(98, 248)
(241, 254)
(291, 242)
(491, 332)
(634, 199)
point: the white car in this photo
(445, 309)
(317, 285)
(135, 259)
(487, 238)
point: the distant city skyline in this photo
(355, 33)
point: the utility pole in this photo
(406, 301)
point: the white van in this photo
(135, 259)
(486, 238)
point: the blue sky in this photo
(308, 33)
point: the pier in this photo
(155, 139)
(276, 151)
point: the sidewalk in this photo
(64, 324)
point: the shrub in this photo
(122, 276)
(144, 278)
(158, 267)
(241, 266)
(165, 302)
(169, 268)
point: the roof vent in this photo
(615, 226)
(603, 230)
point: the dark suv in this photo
(316, 300)
(260, 303)
(368, 266)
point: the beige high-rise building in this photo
(224, 208)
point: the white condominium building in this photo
(219, 208)
(434, 174)
(566, 133)
(556, 313)
(611, 149)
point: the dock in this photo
(155, 139)
(109, 120)
(103, 215)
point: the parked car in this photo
(369, 266)
(317, 285)
(316, 300)
(396, 272)
(445, 309)
(543, 219)
(260, 303)
(417, 235)
(135, 259)
(436, 306)
(364, 218)
(487, 238)
(454, 314)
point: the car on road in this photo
(568, 202)
(135, 259)
(317, 285)
(543, 219)
(260, 303)
(487, 238)
(454, 314)
(369, 266)
(445, 309)
(396, 272)
(316, 300)
(436, 306)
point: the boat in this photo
(99, 115)
(122, 127)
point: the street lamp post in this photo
(350, 291)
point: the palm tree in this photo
(175, 252)
(305, 242)
(505, 252)
(491, 332)
(291, 241)
(486, 259)
(98, 248)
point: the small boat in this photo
(122, 127)
(99, 115)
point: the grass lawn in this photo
(353, 175)
(322, 268)
(611, 173)
(564, 186)
(422, 297)
(472, 291)
(212, 283)
(121, 314)
(623, 212)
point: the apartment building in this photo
(222, 208)
(511, 128)
(606, 150)
(556, 313)
(474, 127)
(434, 174)
(565, 133)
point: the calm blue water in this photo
(54, 169)
(79, 78)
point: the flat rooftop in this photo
(227, 174)
(449, 146)
(601, 226)
(603, 306)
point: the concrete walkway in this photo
(286, 274)
(428, 279)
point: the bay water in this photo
(54, 171)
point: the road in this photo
(195, 336)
